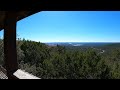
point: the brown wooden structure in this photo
(8, 20)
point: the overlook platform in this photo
(19, 74)
(8, 23)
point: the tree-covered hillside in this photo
(58, 62)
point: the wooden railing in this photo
(19, 74)
(3, 73)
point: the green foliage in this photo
(20, 53)
(34, 52)
(59, 62)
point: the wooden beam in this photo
(10, 52)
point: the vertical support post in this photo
(10, 52)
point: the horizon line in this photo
(80, 42)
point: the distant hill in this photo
(88, 44)
(113, 45)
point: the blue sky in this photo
(71, 26)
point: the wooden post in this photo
(10, 52)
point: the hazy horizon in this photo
(79, 42)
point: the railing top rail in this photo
(20, 74)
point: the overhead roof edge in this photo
(20, 15)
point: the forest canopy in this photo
(60, 62)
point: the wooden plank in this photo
(3, 73)
(24, 75)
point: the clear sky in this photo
(71, 26)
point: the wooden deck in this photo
(3, 73)
(19, 74)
